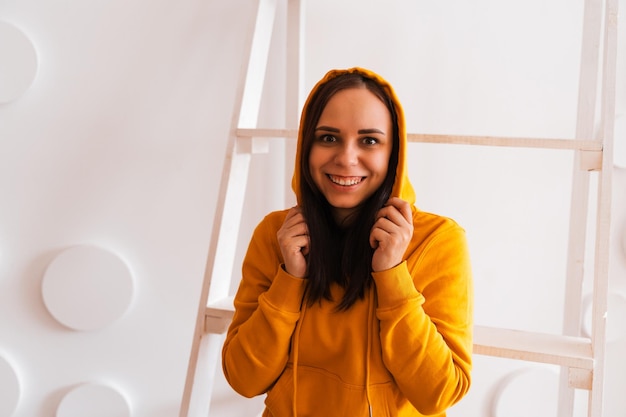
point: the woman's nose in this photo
(347, 155)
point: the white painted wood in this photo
(603, 219)
(219, 314)
(589, 161)
(535, 347)
(252, 146)
(221, 255)
(585, 121)
(295, 93)
(516, 142)
(267, 133)
(257, 64)
(295, 62)
(580, 379)
(204, 374)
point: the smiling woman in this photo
(354, 295)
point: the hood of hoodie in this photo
(402, 187)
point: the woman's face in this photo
(350, 153)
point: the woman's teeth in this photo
(345, 180)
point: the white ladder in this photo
(582, 358)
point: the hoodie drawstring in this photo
(370, 321)
(296, 344)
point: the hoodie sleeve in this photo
(425, 312)
(267, 308)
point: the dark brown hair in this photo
(340, 253)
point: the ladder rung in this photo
(574, 352)
(218, 315)
(267, 133)
(221, 308)
(545, 143)
(568, 351)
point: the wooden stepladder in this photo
(216, 308)
(582, 359)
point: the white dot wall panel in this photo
(614, 393)
(118, 143)
(18, 62)
(10, 388)
(529, 391)
(87, 288)
(109, 166)
(616, 316)
(93, 400)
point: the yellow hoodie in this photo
(404, 350)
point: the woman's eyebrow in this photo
(327, 129)
(366, 131)
(360, 131)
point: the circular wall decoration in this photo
(615, 317)
(87, 288)
(10, 388)
(18, 62)
(93, 400)
(531, 391)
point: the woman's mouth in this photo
(345, 181)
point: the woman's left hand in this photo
(391, 234)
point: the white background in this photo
(120, 140)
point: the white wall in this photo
(117, 147)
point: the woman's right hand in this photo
(293, 239)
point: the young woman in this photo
(354, 302)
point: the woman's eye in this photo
(370, 141)
(327, 138)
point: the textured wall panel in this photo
(93, 400)
(18, 62)
(87, 288)
(530, 391)
(9, 388)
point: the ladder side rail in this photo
(199, 381)
(257, 65)
(245, 115)
(588, 79)
(222, 249)
(579, 200)
(197, 400)
(295, 62)
(603, 229)
(295, 50)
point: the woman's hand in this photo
(293, 239)
(391, 234)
